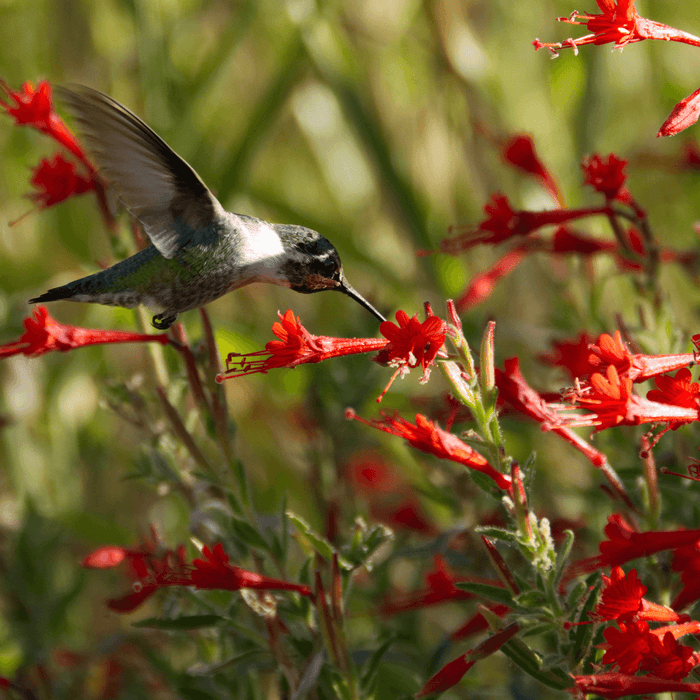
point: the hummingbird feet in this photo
(163, 322)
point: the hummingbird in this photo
(199, 251)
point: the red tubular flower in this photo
(678, 390)
(571, 355)
(447, 677)
(57, 180)
(686, 559)
(215, 571)
(610, 350)
(624, 544)
(566, 240)
(519, 151)
(33, 107)
(296, 346)
(482, 285)
(411, 344)
(439, 588)
(607, 177)
(45, 334)
(683, 115)
(618, 685)
(622, 600)
(428, 437)
(620, 25)
(635, 647)
(504, 222)
(514, 390)
(452, 673)
(667, 658)
(621, 597)
(611, 402)
(627, 646)
(151, 572)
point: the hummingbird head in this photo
(313, 264)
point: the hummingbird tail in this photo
(95, 289)
(54, 294)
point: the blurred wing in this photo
(157, 186)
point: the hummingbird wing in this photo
(157, 186)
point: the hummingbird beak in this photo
(346, 288)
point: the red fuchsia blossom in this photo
(45, 334)
(483, 284)
(151, 572)
(618, 685)
(33, 107)
(519, 151)
(624, 544)
(424, 435)
(296, 346)
(618, 24)
(503, 222)
(57, 180)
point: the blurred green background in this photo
(374, 122)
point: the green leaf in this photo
(195, 694)
(310, 541)
(531, 599)
(372, 666)
(519, 653)
(584, 633)
(497, 533)
(563, 556)
(483, 590)
(187, 622)
(245, 532)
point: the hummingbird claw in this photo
(163, 322)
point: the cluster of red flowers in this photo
(632, 646)
(605, 373)
(620, 24)
(630, 252)
(57, 179)
(407, 345)
(150, 571)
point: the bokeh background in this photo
(375, 122)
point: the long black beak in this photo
(346, 288)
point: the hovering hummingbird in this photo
(199, 251)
